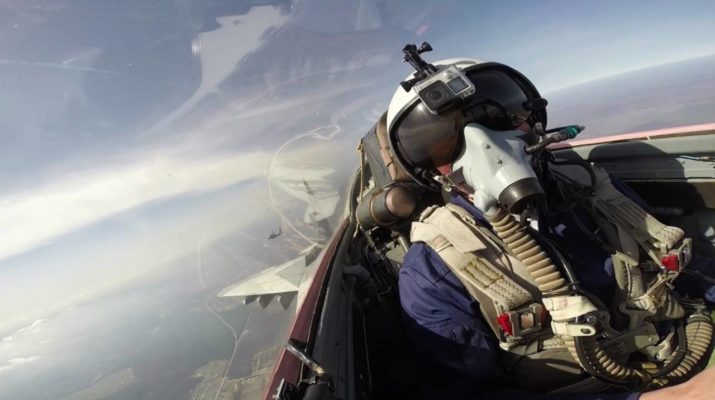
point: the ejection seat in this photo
(389, 198)
(385, 201)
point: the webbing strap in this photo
(396, 172)
(486, 278)
(463, 254)
(491, 300)
(629, 216)
(630, 228)
(483, 232)
(632, 221)
(453, 229)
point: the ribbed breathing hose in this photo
(698, 335)
(586, 349)
(540, 267)
(597, 362)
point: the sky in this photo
(562, 43)
(136, 132)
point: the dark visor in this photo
(428, 140)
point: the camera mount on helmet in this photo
(423, 68)
(439, 88)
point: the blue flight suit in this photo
(456, 349)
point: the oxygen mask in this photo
(495, 167)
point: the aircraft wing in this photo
(281, 282)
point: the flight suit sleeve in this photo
(457, 353)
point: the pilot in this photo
(542, 277)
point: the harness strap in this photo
(464, 254)
(536, 358)
(487, 235)
(629, 228)
(632, 221)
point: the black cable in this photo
(698, 275)
(565, 265)
(680, 352)
(545, 175)
(581, 163)
(375, 269)
(582, 226)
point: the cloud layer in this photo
(36, 216)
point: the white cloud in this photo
(15, 362)
(33, 217)
(33, 327)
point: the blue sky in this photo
(561, 43)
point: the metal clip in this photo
(522, 322)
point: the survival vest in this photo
(536, 331)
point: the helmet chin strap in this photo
(454, 182)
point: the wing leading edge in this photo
(281, 282)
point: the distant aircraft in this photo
(308, 190)
(274, 235)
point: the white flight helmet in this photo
(424, 141)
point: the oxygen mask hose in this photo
(498, 167)
(584, 348)
(547, 276)
(699, 335)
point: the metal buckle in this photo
(524, 321)
(683, 254)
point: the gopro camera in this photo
(443, 89)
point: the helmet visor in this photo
(498, 102)
(428, 140)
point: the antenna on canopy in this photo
(423, 68)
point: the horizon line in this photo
(626, 71)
